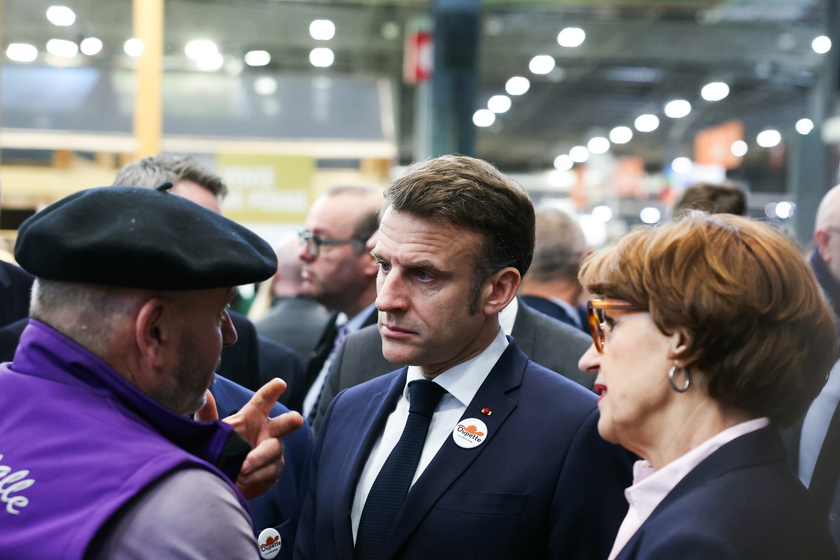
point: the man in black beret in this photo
(244, 366)
(98, 456)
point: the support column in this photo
(148, 102)
(808, 174)
(455, 77)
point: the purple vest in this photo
(78, 441)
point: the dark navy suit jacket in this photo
(254, 360)
(742, 502)
(542, 485)
(550, 308)
(15, 288)
(279, 507)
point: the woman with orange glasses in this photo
(710, 333)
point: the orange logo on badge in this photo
(471, 429)
(270, 543)
(469, 433)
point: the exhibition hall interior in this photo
(606, 108)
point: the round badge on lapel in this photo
(270, 543)
(469, 433)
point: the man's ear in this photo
(500, 289)
(821, 237)
(153, 332)
(369, 265)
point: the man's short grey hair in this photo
(153, 171)
(560, 246)
(86, 313)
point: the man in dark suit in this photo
(339, 273)
(551, 286)
(254, 360)
(814, 445)
(504, 455)
(15, 288)
(293, 320)
(552, 344)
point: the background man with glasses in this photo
(339, 273)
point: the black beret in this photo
(140, 238)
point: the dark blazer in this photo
(550, 343)
(254, 359)
(543, 484)
(9, 337)
(298, 323)
(15, 289)
(825, 481)
(280, 506)
(742, 502)
(550, 308)
(298, 392)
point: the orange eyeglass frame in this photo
(596, 325)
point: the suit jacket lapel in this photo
(370, 427)
(452, 461)
(371, 319)
(824, 479)
(763, 446)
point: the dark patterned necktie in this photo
(391, 486)
(340, 335)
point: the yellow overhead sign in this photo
(266, 188)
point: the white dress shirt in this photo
(462, 383)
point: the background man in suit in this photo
(815, 445)
(338, 273)
(15, 288)
(551, 285)
(293, 319)
(550, 343)
(508, 462)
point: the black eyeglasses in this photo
(314, 243)
(596, 318)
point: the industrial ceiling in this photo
(637, 56)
